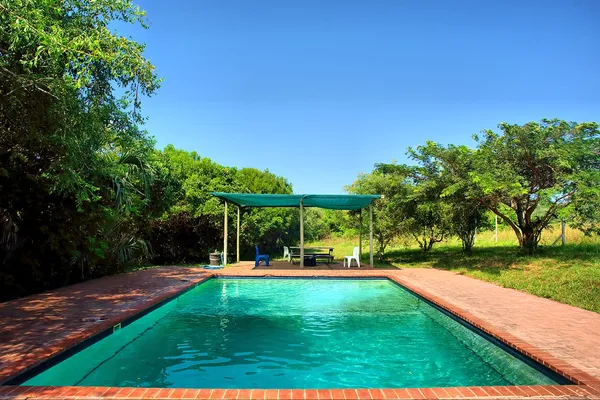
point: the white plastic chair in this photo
(286, 254)
(354, 256)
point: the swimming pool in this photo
(294, 333)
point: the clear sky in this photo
(320, 90)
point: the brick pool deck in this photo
(564, 338)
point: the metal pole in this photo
(371, 233)
(301, 235)
(496, 228)
(360, 234)
(562, 228)
(238, 237)
(225, 237)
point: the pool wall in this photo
(584, 383)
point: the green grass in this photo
(569, 274)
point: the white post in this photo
(301, 235)
(371, 233)
(238, 237)
(562, 229)
(360, 234)
(225, 237)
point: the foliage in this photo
(416, 210)
(388, 217)
(425, 217)
(527, 175)
(74, 166)
(83, 192)
(584, 210)
(465, 219)
(456, 213)
(193, 224)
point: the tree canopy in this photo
(527, 175)
(83, 192)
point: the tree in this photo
(193, 224)
(462, 216)
(466, 217)
(425, 215)
(584, 210)
(527, 174)
(83, 191)
(387, 211)
(74, 168)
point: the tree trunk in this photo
(467, 242)
(529, 239)
(527, 233)
(382, 245)
(381, 251)
(430, 245)
(424, 245)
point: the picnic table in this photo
(312, 254)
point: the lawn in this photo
(569, 274)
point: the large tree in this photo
(461, 216)
(388, 215)
(527, 173)
(75, 168)
(422, 214)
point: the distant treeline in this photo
(528, 176)
(83, 191)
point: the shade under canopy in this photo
(330, 201)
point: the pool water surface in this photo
(293, 333)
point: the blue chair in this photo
(259, 257)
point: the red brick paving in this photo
(564, 338)
(571, 392)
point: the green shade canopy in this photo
(330, 201)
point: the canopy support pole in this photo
(360, 233)
(371, 233)
(238, 236)
(225, 236)
(301, 235)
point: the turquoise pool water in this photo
(293, 333)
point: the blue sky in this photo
(318, 91)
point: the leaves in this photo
(526, 175)
(76, 166)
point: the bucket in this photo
(215, 258)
